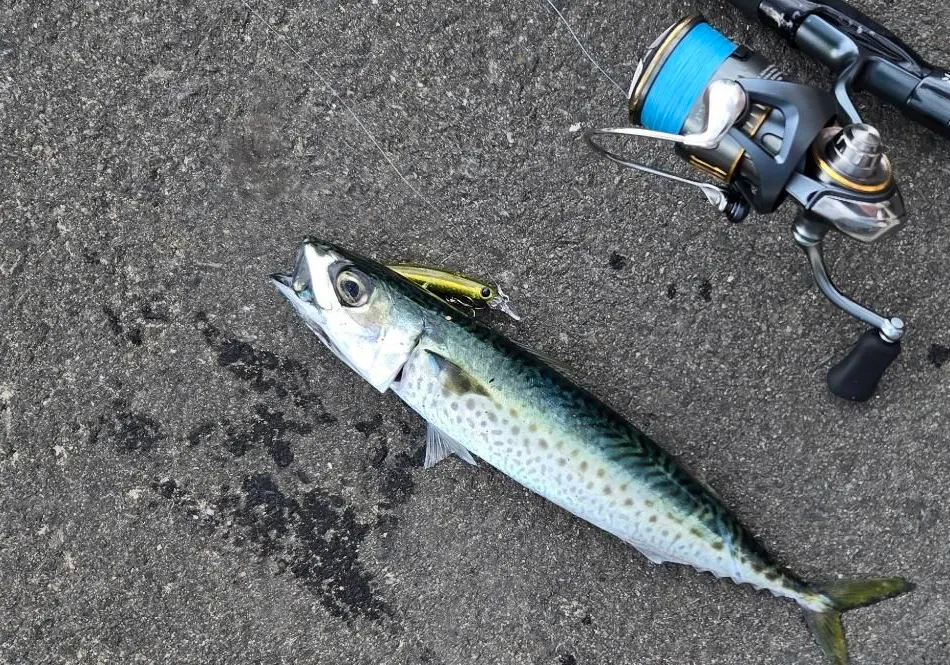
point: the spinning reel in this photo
(732, 115)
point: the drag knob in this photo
(856, 152)
(857, 375)
(854, 157)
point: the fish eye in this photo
(352, 288)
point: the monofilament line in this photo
(584, 50)
(326, 84)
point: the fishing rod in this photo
(733, 116)
(863, 54)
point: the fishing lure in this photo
(457, 288)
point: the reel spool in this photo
(733, 116)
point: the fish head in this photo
(354, 306)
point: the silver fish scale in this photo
(559, 461)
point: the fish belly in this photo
(569, 471)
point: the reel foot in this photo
(856, 376)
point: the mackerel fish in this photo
(484, 395)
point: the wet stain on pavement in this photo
(128, 430)
(396, 482)
(938, 355)
(617, 261)
(264, 371)
(379, 455)
(130, 333)
(266, 429)
(300, 529)
(315, 537)
(201, 433)
(367, 427)
(705, 290)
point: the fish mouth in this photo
(282, 279)
(284, 283)
(308, 282)
(309, 312)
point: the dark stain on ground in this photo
(153, 313)
(264, 513)
(396, 481)
(567, 659)
(376, 459)
(267, 429)
(330, 562)
(316, 537)
(367, 427)
(313, 535)
(705, 290)
(671, 290)
(938, 355)
(128, 430)
(200, 433)
(617, 261)
(264, 371)
(587, 620)
(131, 334)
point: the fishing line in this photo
(683, 77)
(584, 50)
(326, 84)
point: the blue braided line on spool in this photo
(683, 77)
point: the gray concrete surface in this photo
(187, 477)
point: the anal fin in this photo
(654, 555)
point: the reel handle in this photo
(855, 377)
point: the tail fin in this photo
(841, 597)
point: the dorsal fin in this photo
(546, 359)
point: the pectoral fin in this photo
(455, 379)
(440, 445)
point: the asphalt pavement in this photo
(187, 476)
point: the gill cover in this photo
(349, 305)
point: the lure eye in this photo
(352, 288)
(486, 292)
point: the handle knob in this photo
(856, 376)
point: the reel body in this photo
(733, 116)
